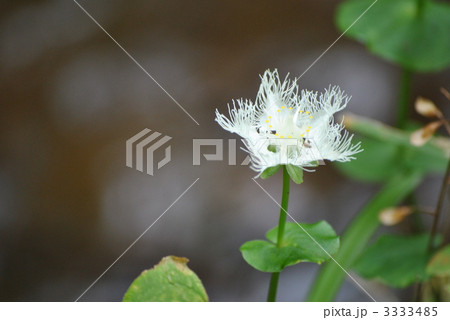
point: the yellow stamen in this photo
(282, 107)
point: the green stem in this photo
(420, 6)
(404, 98)
(358, 234)
(271, 297)
(416, 219)
(284, 206)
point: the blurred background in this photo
(70, 98)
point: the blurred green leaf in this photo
(270, 172)
(401, 31)
(387, 150)
(439, 264)
(376, 163)
(296, 173)
(297, 246)
(359, 232)
(397, 261)
(169, 281)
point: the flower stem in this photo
(284, 206)
(420, 5)
(404, 99)
(271, 297)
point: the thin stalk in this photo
(420, 6)
(445, 122)
(416, 220)
(404, 98)
(272, 295)
(439, 208)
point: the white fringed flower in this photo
(285, 126)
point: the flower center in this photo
(283, 123)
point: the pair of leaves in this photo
(296, 173)
(388, 150)
(301, 243)
(411, 33)
(169, 281)
(397, 261)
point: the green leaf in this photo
(378, 162)
(297, 246)
(169, 281)
(317, 240)
(439, 264)
(397, 261)
(296, 173)
(401, 31)
(388, 150)
(270, 172)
